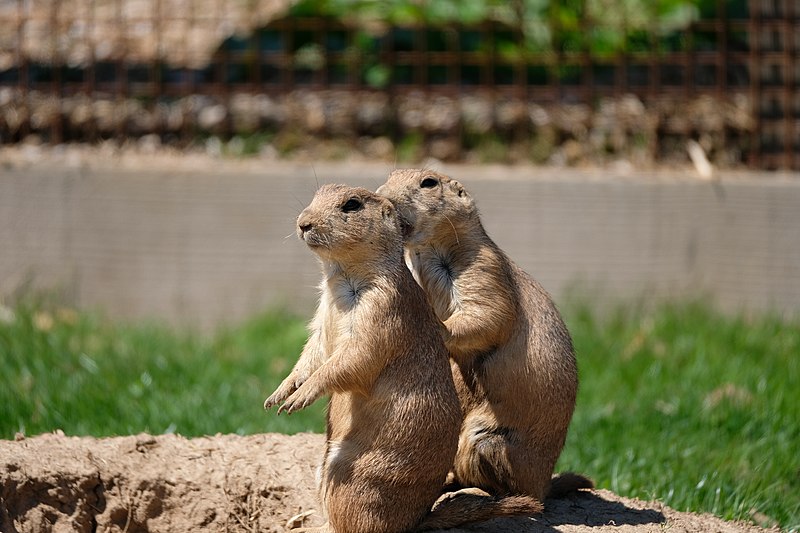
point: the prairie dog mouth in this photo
(311, 238)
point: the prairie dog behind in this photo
(512, 357)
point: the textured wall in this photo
(215, 243)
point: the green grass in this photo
(698, 410)
(680, 404)
(86, 376)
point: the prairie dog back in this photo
(512, 357)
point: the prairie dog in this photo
(377, 348)
(511, 354)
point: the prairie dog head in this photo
(350, 225)
(429, 204)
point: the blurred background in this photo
(481, 80)
(640, 159)
(229, 113)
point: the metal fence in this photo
(155, 50)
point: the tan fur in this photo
(512, 357)
(474, 505)
(376, 347)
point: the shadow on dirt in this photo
(586, 509)
(590, 509)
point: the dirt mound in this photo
(230, 483)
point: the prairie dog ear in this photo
(387, 209)
(391, 217)
(459, 190)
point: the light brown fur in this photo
(512, 357)
(376, 347)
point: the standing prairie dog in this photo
(377, 348)
(512, 357)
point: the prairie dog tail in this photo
(567, 483)
(474, 505)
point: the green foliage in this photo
(410, 147)
(488, 147)
(597, 26)
(677, 403)
(376, 75)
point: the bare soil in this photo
(169, 483)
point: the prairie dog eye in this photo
(353, 204)
(429, 183)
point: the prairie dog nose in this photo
(385, 191)
(304, 223)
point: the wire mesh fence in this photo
(93, 69)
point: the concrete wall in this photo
(216, 243)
